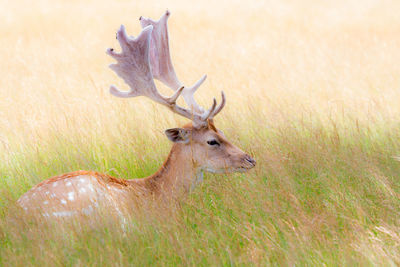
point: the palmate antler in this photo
(146, 57)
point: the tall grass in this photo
(313, 93)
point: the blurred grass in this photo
(313, 93)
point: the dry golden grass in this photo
(313, 92)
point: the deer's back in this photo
(77, 193)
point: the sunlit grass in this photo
(313, 93)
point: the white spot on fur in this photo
(90, 186)
(47, 192)
(63, 213)
(63, 201)
(25, 208)
(117, 190)
(55, 184)
(81, 180)
(53, 195)
(68, 184)
(71, 196)
(82, 190)
(46, 202)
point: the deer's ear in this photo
(178, 135)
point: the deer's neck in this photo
(177, 175)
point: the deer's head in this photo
(147, 57)
(209, 149)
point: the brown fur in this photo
(152, 183)
(101, 177)
(211, 126)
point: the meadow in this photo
(313, 93)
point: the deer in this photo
(197, 147)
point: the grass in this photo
(313, 93)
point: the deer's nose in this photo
(250, 160)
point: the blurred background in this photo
(274, 59)
(313, 93)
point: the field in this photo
(313, 93)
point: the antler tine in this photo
(172, 99)
(220, 106)
(188, 95)
(209, 112)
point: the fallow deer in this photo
(197, 147)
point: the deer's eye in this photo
(213, 142)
